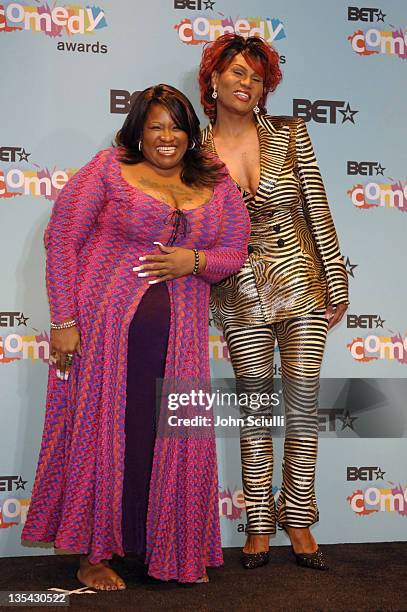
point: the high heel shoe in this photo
(254, 560)
(313, 560)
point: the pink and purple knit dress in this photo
(105, 482)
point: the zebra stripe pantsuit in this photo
(301, 341)
(294, 270)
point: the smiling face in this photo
(164, 143)
(239, 87)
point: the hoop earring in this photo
(192, 146)
(214, 93)
(256, 110)
(140, 144)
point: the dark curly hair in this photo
(217, 56)
(199, 167)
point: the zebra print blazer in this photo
(294, 264)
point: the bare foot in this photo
(256, 543)
(302, 539)
(99, 576)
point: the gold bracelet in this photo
(195, 271)
(65, 325)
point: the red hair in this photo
(217, 56)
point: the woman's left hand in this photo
(335, 313)
(172, 262)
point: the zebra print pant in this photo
(301, 342)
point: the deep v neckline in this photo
(157, 200)
(242, 189)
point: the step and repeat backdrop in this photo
(69, 72)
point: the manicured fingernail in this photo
(160, 243)
(137, 268)
(66, 375)
(141, 274)
(153, 282)
(142, 258)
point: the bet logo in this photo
(364, 473)
(194, 5)
(365, 14)
(10, 483)
(364, 168)
(121, 100)
(364, 321)
(323, 111)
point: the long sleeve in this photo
(319, 216)
(230, 252)
(73, 217)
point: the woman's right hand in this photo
(335, 313)
(64, 342)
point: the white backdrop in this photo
(344, 72)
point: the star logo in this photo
(350, 267)
(348, 114)
(21, 484)
(209, 4)
(23, 155)
(379, 474)
(379, 169)
(22, 320)
(347, 420)
(380, 15)
(379, 321)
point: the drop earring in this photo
(214, 93)
(256, 109)
(192, 146)
(139, 145)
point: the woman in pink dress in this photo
(135, 239)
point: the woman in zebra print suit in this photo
(292, 288)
